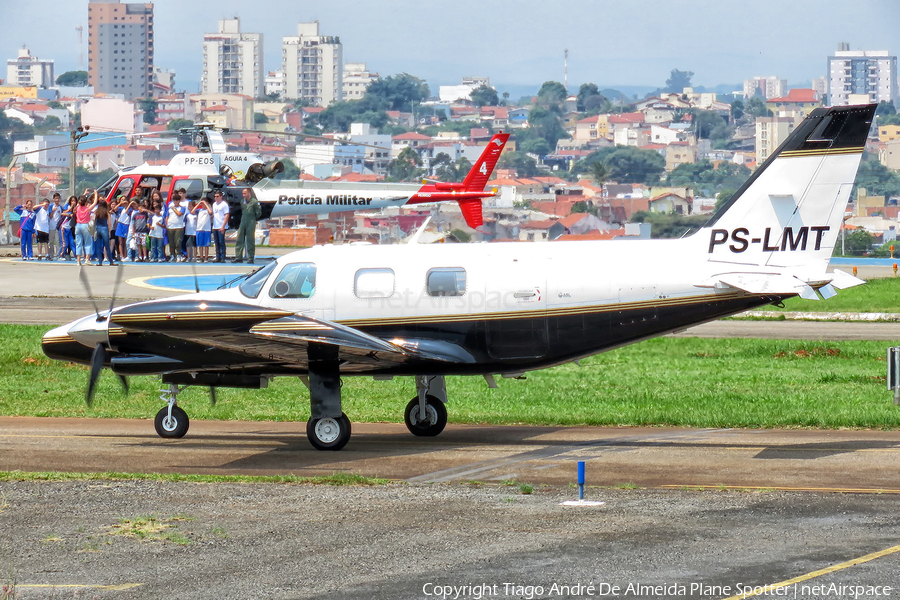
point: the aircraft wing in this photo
(274, 336)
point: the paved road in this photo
(648, 457)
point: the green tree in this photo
(886, 108)
(521, 163)
(877, 179)
(536, 145)
(485, 95)
(448, 170)
(723, 197)
(397, 92)
(259, 118)
(737, 110)
(678, 80)
(756, 107)
(149, 106)
(628, 164)
(73, 79)
(584, 92)
(406, 167)
(176, 124)
(705, 122)
(552, 93)
(599, 173)
(544, 123)
(856, 243)
(670, 225)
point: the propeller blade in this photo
(97, 360)
(196, 280)
(87, 288)
(124, 381)
(120, 270)
(212, 395)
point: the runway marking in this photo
(115, 588)
(781, 488)
(838, 567)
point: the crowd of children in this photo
(134, 230)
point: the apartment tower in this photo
(861, 76)
(233, 61)
(313, 66)
(120, 48)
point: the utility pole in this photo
(77, 136)
(6, 207)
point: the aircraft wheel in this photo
(328, 433)
(174, 427)
(435, 421)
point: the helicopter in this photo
(214, 167)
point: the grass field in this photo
(878, 295)
(666, 381)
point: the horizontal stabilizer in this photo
(471, 210)
(843, 280)
(765, 283)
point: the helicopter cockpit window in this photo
(193, 188)
(124, 189)
(254, 282)
(297, 280)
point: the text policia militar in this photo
(661, 590)
(338, 200)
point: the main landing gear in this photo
(329, 428)
(171, 421)
(426, 415)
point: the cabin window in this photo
(446, 281)
(297, 280)
(253, 283)
(374, 283)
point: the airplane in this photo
(215, 167)
(429, 311)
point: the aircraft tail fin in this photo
(789, 213)
(481, 171)
(471, 210)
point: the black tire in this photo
(177, 428)
(328, 433)
(436, 422)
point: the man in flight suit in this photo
(250, 212)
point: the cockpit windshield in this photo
(255, 280)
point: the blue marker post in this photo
(581, 480)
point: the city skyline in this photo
(514, 43)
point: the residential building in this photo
(671, 203)
(120, 48)
(767, 87)
(313, 66)
(376, 146)
(29, 71)
(889, 155)
(357, 80)
(163, 82)
(275, 83)
(678, 153)
(888, 133)
(861, 76)
(798, 103)
(463, 91)
(173, 106)
(234, 111)
(46, 150)
(592, 129)
(770, 133)
(110, 113)
(233, 61)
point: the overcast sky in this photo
(514, 42)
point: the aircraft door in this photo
(520, 329)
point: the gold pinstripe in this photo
(822, 152)
(545, 312)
